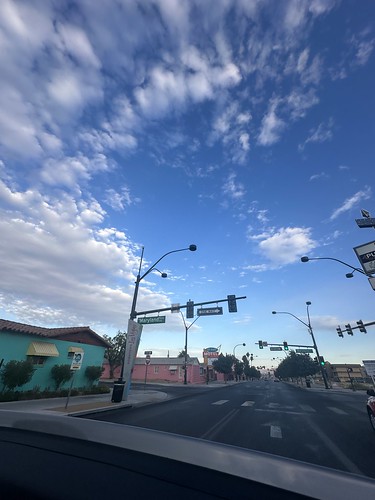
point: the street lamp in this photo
(186, 342)
(348, 275)
(133, 312)
(234, 348)
(309, 327)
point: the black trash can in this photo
(118, 391)
(308, 383)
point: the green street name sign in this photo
(304, 351)
(276, 348)
(151, 320)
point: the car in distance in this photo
(371, 407)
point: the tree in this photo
(238, 369)
(60, 374)
(296, 365)
(115, 354)
(182, 354)
(93, 373)
(224, 364)
(17, 373)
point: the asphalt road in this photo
(326, 427)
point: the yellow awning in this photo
(75, 349)
(42, 349)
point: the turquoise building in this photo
(46, 347)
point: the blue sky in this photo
(244, 127)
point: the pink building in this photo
(166, 370)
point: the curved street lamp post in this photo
(309, 327)
(133, 312)
(186, 343)
(348, 275)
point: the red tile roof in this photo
(13, 326)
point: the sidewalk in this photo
(81, 405)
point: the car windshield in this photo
(187, 219)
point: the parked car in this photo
(371, 407)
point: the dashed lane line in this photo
(220, 402)
(337, 410)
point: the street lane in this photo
(325, 428)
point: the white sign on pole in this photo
(369, 367)
(132, 342)
(77, 361)
(366, 256)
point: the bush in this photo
(93, 373)
(97, 390)
(16, 373)
(60, 374)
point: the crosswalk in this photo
(275, 431)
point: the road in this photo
(326, 427)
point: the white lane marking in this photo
(215, 429)
(275, 432)
(273, 405)
(307, 408)
(278, 411)
(337, 410)
(221, 402)
(248, 403)
(328, 443)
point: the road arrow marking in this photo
(275, 432)
(248, 403)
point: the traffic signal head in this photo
(316, 360)
(362, 327)
(349, 329)
(321, 361)
(190, 309)
(260, 343)
(232, 304)
(286, 347)
(339, 332)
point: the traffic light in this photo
(321, 361)
(190, 309)
(349, 329)
(260, 343)
(286, 347)
(362, 327)
(232, 304)
(339, 332)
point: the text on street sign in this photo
(208, 311)
(151, 320)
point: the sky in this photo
(243, 127)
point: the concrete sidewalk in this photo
(81, 405)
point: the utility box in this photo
(118, 391)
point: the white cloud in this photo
(271, 127)
(120, 200)
(233, 189)
(322, 133)
(351, 202)
(286, 245)
(322, 175)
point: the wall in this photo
(14, 346)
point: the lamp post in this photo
(186, 343)
(348, 275)
(309, 327)
(234, 348)
(133, 315)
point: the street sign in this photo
(147, 353)
(366, 256)
(368, 222)
(209, 311)
(175, 308)
(265, 343)
(372, 282)
(147, 361)
(151, 320)
(365, 213)
(276, 348)
(369, 367)
(304, 351)
(77, 361)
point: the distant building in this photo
(344, 373)
(46, 347)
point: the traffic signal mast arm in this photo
(289, 345)
(349, 329)
(185, 306)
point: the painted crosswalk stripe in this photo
(248, 403)
(337, 410)
(221, 402)
(307, 408)
(275, 432)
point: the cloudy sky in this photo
(244, 127)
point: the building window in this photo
(37, 360)
(156, 369)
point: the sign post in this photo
(147, 362)
(76, 365)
